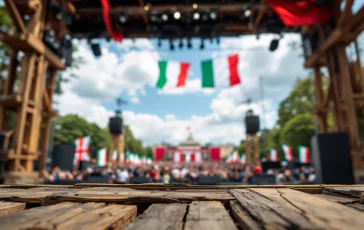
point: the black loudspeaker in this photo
(83, 165)
(63, 155)
(331, 158)
(264, 179)
(96, 49)
(310, 43)
(116, 125)
(252, 124)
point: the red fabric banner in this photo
(300, 12)
(116, 35)
(159, 153)
(215, 154)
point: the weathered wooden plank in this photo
(113, 216)
(271, 214)
(209, 215)
(337, 199)
(160, 216)
(357, 206)
(7, 208)
(21, 219)
(132, 196)
(355, 191)
(242, 217)
(326, 214)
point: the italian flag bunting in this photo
(287, 153)
(235, 156)
(273, 155)
(243, 159)
(198, 157)
(149, 160)
(176, 157)
(304, 154)
(221, 72)
(102, 157)
(187, 157)
(172, 74)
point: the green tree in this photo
(298, 131)
(301, 100)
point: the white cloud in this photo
(170, 117)
(135, 100)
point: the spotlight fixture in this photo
(213, 15)
(180, 44)
(194, 6)
(247, 13)
(205, 17)
(274, 45)
(196, 16)
(159, 43)
(177, 15)
(202, 46)
(164, 17)
(122, 19)
(153, 18)
(96, 49)
(218, 40)
(171, 46)
(146, 7)
(189, 45)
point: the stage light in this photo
(164, 17)
(177, 15)
(218, 40)
(274, 45)
(205, 17)
(171, 46)
(202, 46)
(194, 6)
(213, 15)
(146, 7)
(247, 13)
(159, 43)
(196, 16)
(189, 45)
(153, 18)
(122, 19)
(96, 49)
(180, 44)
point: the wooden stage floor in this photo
(156, 206)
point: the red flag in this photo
(300, 12)
(116, 35)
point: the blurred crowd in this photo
(168, 173)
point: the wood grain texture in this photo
(326, 214)
(113, 216)
(7, 208)
(134, 196)
(25, 218)
(355, 191)
(271, 214)
(337, 199)
(357, 206)
(242, 217)
(160, 217)
(209, 215)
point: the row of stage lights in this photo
(189, 44)
(176, 15)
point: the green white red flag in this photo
(172, 74)
(102, 157)
(273, 155)
(287, 153)
(221, 72)
(304, 154)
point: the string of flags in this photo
(216, 73)
(82, 154)
(187, 157)
(303, 153)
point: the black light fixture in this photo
(213, 15)
(96, 49)
(180, 44)
(153, 18)
(205, 17)
(67, 49)
(218, 40)
(274, 45)
(189, 45)
(177, 15)
(171, 46)
(202, 46)
(196, 16)
(159, 43)
(164, 17)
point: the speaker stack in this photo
(63, 155)
(252, 123)
(116, 125)
(332, 158)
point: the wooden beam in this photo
(145, 18)
(260, 16)
(338, 35)
(30, 42)
(15, 15)
(68, 6)
(346, 12)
